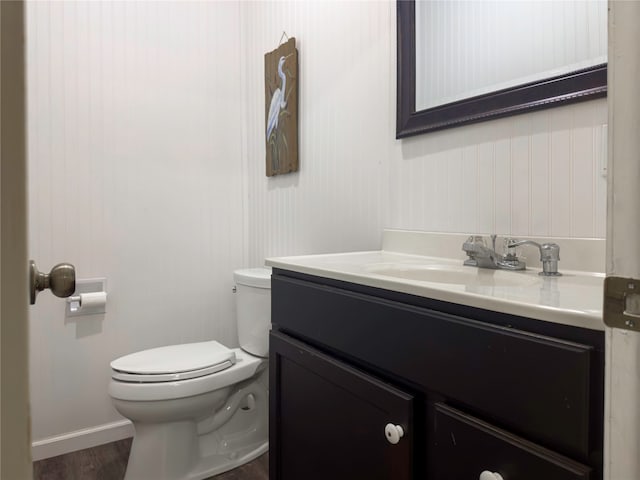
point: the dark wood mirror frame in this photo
(572, 87)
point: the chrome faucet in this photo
(549, 255)
(482, 256)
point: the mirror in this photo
(465, 61)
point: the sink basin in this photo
(455, 275)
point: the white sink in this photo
(575, 298)
(455, 275)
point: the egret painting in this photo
(281, 112)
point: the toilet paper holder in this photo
(74, 302)
(89, 298)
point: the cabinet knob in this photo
(393, 433)
(487, 475)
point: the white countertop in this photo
(575, 298)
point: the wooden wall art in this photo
(281, 112)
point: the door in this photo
(15, 446)
(622, 414)
(329, 420)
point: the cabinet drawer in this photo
(463, 446)
(531, 384)
(327, 419)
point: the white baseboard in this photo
(80, 439)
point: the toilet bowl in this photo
(200, 409)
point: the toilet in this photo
(200, 409)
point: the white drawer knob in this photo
(487, 475)
(393, 433)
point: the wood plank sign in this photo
(281, 112)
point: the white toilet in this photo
(200, 409)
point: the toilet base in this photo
(217, 464)
(180, 462)
(190, 449)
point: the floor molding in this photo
(81, 439)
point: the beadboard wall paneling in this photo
(135, 175)
(538, 174)
(337, 199)
(534, 174)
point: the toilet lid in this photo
(174, 362)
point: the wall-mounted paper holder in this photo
(89, 298)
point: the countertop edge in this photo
(578, 318)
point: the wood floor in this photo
(108, 462)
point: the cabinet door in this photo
(462, 447)
(330, 421)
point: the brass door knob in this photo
(61, 280)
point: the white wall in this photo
(135, 175)
(530, 175)
(337, 200)
(534, 174)
(146, 161)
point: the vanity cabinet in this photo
(472, 390)
(332, 418)
(464, 446)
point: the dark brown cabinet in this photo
(473, 390)
(464, 446)
(330, 419)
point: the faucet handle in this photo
(471, 247)
(472, 243)
(510, 257)
(510, 245)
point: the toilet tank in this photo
(253, 309)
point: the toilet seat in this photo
(173, 363)
(246, 366)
